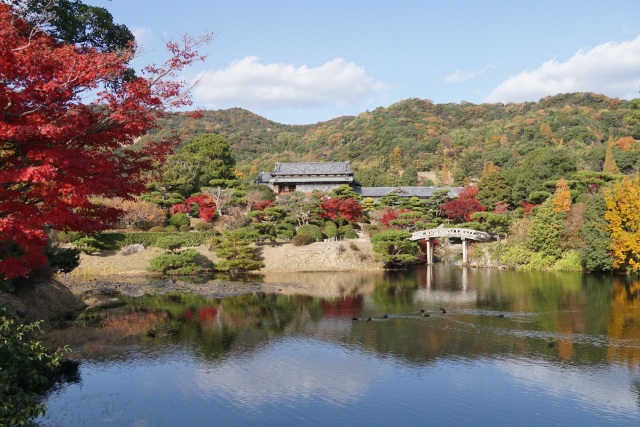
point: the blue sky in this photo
(301, 62)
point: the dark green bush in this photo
(27, 369)
(63, 259)
(170, 242)
(179, 219)
(310, 230)
(285, 231)
(330, 229)
(348, 232)
(121, 240)
(184, 262)
(302, 240)
(88, 245)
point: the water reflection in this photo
(570, 340)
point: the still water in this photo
(512, 349)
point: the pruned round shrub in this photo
(348, 232)
(170, 242)
(310, 230)
(330, 229)
(170, 228)
(185, 228)
(177, 263)
(88, 245)
(157, 229)
(302, 240)
(179, 219)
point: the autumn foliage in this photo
(623, 217)
(58, 150)
(347, 208)
(206, 207)
(461, 208)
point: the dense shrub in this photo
(238, 257)
(330, 229)
(310, 230)
(179, 219)
(156, 229)
(184, 228)
(120, 240)
(63, 259)
(170, 228)
(88, 245)
(302, 240)
(27, 369)
(348, 232)
(178, 263)
(170, 242)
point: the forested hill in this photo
(452, 141)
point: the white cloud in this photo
(464, 75)
(143, 36)
(251, 84)
(611, 68)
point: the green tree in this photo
(409, 177)
(493, 188)
(345, 191)
(238, 257)
(206, 161)
(394, 248)
(545, 231)
(538, 167)
(595, 255)
(71, 21)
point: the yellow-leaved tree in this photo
(623, 222)
(562, 197)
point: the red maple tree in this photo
(348, 208)
(459, 210)
(206, 207)
(58, 150)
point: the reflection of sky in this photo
(608, 388)
(288, 370)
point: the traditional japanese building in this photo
(308, 177)
(325, 176)
(376, 193)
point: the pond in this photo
(512, 348)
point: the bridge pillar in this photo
(464, 251)
(429, 252)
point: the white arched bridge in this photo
(461, 233)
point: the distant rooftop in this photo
(312, 168)
(421, 192)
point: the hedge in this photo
(121, 240)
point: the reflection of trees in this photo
(624, 323)
(555, 315)
(395, 292)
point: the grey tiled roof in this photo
(312, 168)
(421, 192)
(263, 177)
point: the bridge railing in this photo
(466, 233)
